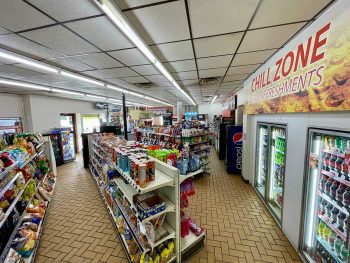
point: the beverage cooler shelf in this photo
(342, 155)
(329, 249)
(334, 203)
(334, 227)
(335, 177)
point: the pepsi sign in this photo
(234, 149)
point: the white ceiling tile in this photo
(215, 46)
(111, 73)
(231, 83)
(124, 4)
(27, 47)
(99, 60)
(217, 17)
(130, 57)
(183, 65)
(64, 10)
(101, 32)
(189, 82)
(272, 37)
(161, 23)
(162, 84)
(288, 12)
(252, 57)
(235, 77)
(16, 15)
(138, 79)
(214, 62)
(174, 51)
(242, 69)
(69, 63)
(185, 75)
(60, 39)
(8, 71)
(208, 73)
(157, 78)
(146, 70)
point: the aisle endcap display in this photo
(26, 188)
(138, 210)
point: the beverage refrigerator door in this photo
(276, 170)
(262, 158)
(327, 198)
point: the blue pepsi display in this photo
(234, 149)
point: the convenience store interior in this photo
(156, 131)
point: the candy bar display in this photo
(328, 208)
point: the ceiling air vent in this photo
(210, 81)
(146, 85)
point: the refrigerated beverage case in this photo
(325, 232)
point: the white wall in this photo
(10, 106)
(297, 126)
(211, 110)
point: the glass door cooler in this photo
(325, 235)
(270, 166)
(67, 146)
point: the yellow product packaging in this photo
(164, 256)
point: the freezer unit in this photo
(270, 166)
(325, 235)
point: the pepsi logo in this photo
(238, 138)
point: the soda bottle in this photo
(344, 253)
(341, 220)
(339, 195)
(328, 185)
(331, 142)
(333, 190)
(338, 165)
(325, 161)
(321, 227)
(338, 243)
(338, 143)
(326, 232)
(331, 239)
(345, 170)
(322, 184)
(332, 162)
(323, 204)
(326, 142)
(335, 212)
(329, 208)
(346, 197)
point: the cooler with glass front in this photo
(270, 165)
(327, 197)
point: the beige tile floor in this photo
(238, 226)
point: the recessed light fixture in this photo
(82, 78)
(23, 84)
(118, 18)
(215, 97)
(17, 58)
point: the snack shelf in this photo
(128, 193)
(196, 135)
(327, 220)
(162, 134)
(103, 150)
(334, 203)
(190, 240)
(200, 150)
(8, 169)
(184, 177)
(334, 177)
(98, 154)
(329, 249)
(123, 241)
(31, 159)
(161, 180)
(7, 186)
(14, 202)
(199, 143)
(40, 144)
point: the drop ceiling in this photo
(194, 39)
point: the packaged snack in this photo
(31, 226)
(23, 232)
(24, 246)
(13, 257)
(194, 228)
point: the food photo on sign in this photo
(309, 74)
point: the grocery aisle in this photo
(238, 226)
(78, 228)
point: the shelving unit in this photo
(166, 184)
(20, 165)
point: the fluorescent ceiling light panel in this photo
(116, 100)
(23, 84)
(118, 18)
(67, 92)
(82, 78)
(214, 99)
(29, 62)
(117, 88)
(95, 96)
(137, 94)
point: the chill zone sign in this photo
(296, 71)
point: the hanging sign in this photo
(309, 74)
